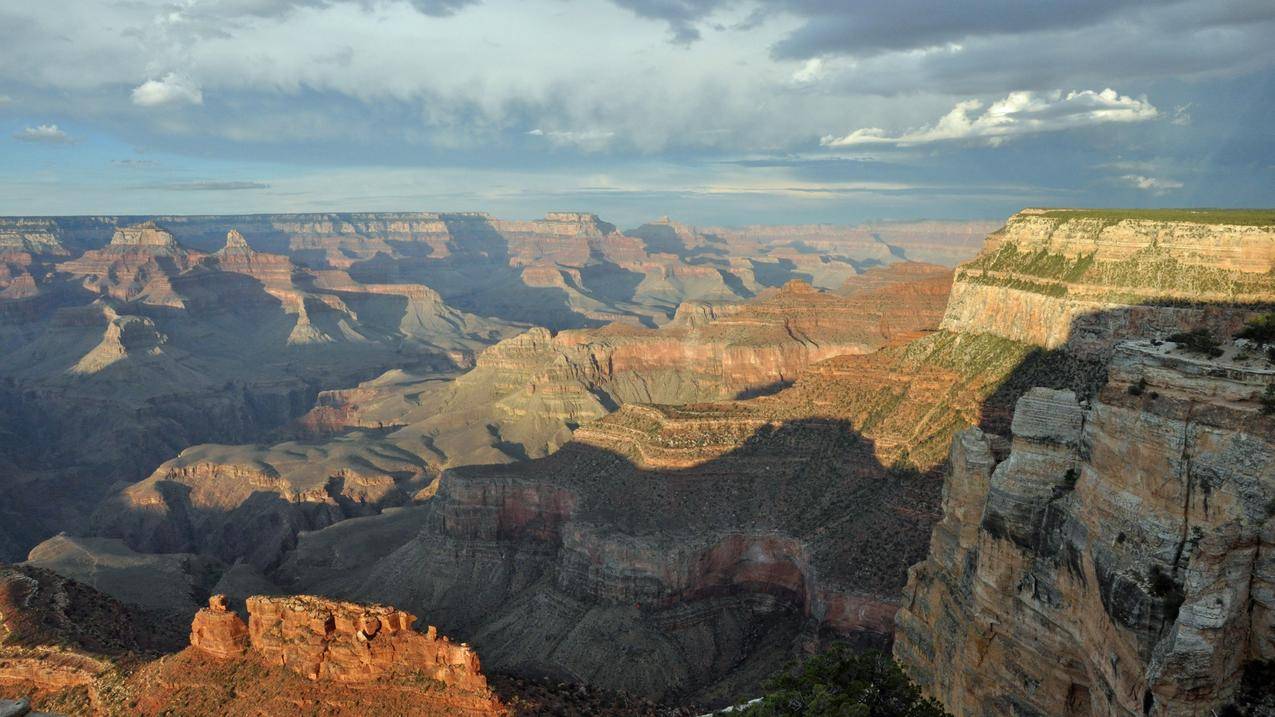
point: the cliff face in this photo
(1060, 278)
(1118, 561)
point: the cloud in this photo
(809, 72)
(208, 186)
(590, 140)
(43, 134)
(1019, 113)
(1151, 184)
(134, 163)
(868, 28)
(681, 15)
(1182, 115)
(5, 99)
(171, 90)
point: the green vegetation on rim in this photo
(1240, 217)
(839, 682)
(1149, 268)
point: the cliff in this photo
(1118, 560)
(1113, 555)
(1083, 280)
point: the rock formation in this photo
(71, 650)
(138, 264)
(218, 631)
(173, 348)
(1112, 559)
(1056, 278)
(1116, 560)
(523, 399)
(357, 646)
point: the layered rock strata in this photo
(1117, 561)
(1066, 279)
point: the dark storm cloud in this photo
(268, 8)
(681, 15)
(868, 28)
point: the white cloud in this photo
(1019, 113)
(43, 134)
(1182, 115)
(1151, 184)
(809, 72)
(172, 89)
(5, 99)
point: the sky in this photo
(724, 112)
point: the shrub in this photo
(840, 682)
(1198, 341)
(1259, 329)
(1257, 691)
(1163, 586)
(1136, 389)
(1268, 400)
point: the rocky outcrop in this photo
(72, 650)
(347, 642)
(356, 646)
(1084, 280)
(1117, 560)
(218, 631)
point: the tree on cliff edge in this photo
(840, 683)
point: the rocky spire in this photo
(235, 244)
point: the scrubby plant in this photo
(1268, 400)
(1198, 341)
(841, 683)
(1259, 329)
(1256, 696)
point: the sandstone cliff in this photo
(1113, 558)
(1066, 278)
(1117, 561)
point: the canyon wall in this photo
(1111, 553)
(1058, 278)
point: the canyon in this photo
(129, 339)
(771, 439)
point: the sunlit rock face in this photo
(1063, 279)
(1118, 560)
